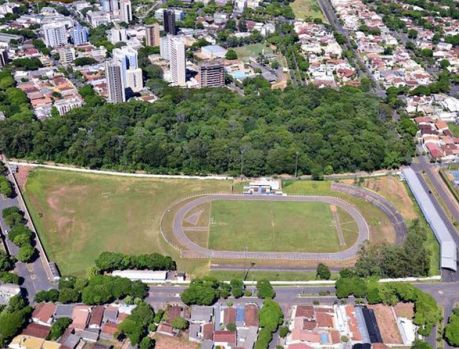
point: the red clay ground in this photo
(166, 342)
(387, 324)
(22, 174)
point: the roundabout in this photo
(188, 214)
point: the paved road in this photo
(239, 267)
(439, 186)
(380, 202)
(194, 250)
(33, 274)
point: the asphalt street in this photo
(33, 274)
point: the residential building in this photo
(3, 57)
(97, 18)
(169, 22)
(30, 342)
(66, 104)
(79, 34)
(152, 35)
(211, 74)
(66, 55)
(43, 314)
(118, 35)
(115, 84)
(125, 11)
(164, 48)
(177, 60)
(55, 34)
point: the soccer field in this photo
(278, 226)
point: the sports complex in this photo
(275, 227)
(208, 224)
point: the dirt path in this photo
(339, 229)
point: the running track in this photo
(195, 251)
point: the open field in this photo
(81, 215)
(275, 226)
(304, 9)
(381, 229)
(78, 216)
(252, 50)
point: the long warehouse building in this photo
(448, 247)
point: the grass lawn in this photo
(252, 50)
(274, 226)
(78, 215)
(454, 128)
(304, 9)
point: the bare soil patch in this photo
(21, 175)
(165, 342)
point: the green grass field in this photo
(78, 216)
(304, 9)
(252, 50)
(275, 226)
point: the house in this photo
(225, 339)
(90, 335)
(69, 340)
(108, 330)
(36, 330)
(80, 317)
(43, 314)
(251, 315)
(30, 342)
(173, 312)
(201, 314)
(63, 310)
(110, 315)
(95, 320)
(166, 329)
(229, 316)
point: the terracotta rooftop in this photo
(173, 312)
(225, 337)
(305, 311)
(229, 316)
(97, 314)
(36, 330)
(251, 315)
(44, 312)
(208, 331)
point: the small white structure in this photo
(146, 276)
(264, 187)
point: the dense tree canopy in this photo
(109, 261)
(214, 130)
(412, 258)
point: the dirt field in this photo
(387, 324)
(78, 216)
(165, 342)
(393, 189)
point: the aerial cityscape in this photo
(229, 174)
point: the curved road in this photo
(198, 251)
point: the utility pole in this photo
(242, 161)
(296, 164)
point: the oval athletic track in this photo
(194, 250)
